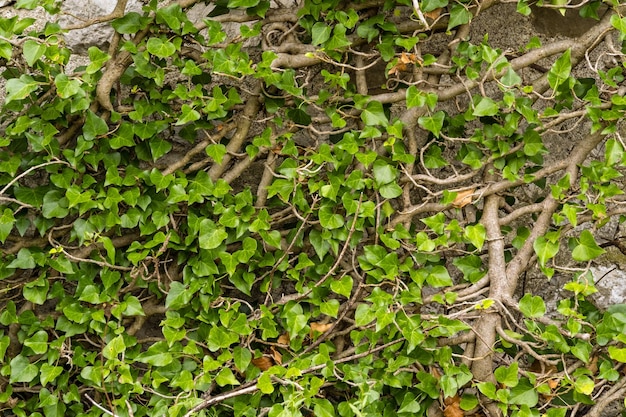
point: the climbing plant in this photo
(314, 207)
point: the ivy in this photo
(292, 210)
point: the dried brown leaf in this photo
(278, 358)
(263, 363)
(463, 198)
(319, 328)
(453, 407)
(434, 14)
(283, 339)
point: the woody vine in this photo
(309, 208)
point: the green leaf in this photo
(524, 393)
(242, 358)
(94, 126)
(438, 276)
(507, 375)
(226, 377)
(216, 152)
(32, 51)
(65, 86)
(476, 235)
(342, 286)
(560, 70)
(130, 23)
(178, 296)
(6, 50)
(329, 219)
(22, 370)
(49, 373)
(211, 235)
(486, 107)
(220, 338)
(584, 385)
(545, 249)
(618, 354)
(511, 78)
(157, 355)
(432, 123)
(614, 152)
(38, 342)
(587, 248)
(374, 114)
(7, 220)
(532, 306)
(20, 88)
(188, 115)
(323, 408)
(55, 205)
(242, 3)
(114, 348)
(320, 33)
(383, 172)
(459, 15)
(160, 48)
(159, 147)
(430, 5)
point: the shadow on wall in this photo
(551, 22)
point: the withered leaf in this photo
(319, 328)
(278, 358)
(283, 339)
(463, 198)
(453, 407)
(434, 14)
(263, 363)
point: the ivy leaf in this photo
(242, 3)
(6, 50)
(55, 205)
(476, 234)
(486, 107)
(374, 114)
(20, 88)
(511, 78)
(211, 236)
(587, 248)
(130, 23)
(160, 48)
(66, 87)
(560, 70)
(430, 5)
(22, 370)
(524, 393)
(545, 249)
(178, 296)
(618, 354)
(342, 286)
(532, 306)
(507, 375)
(32, 51)
(156, 355)
(320, 33)
(7, 220)
(614, 152)
(432, 123)
(94, 126)
(329, 219)
(188, 115)
(459, 15)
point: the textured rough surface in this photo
(76, 12)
